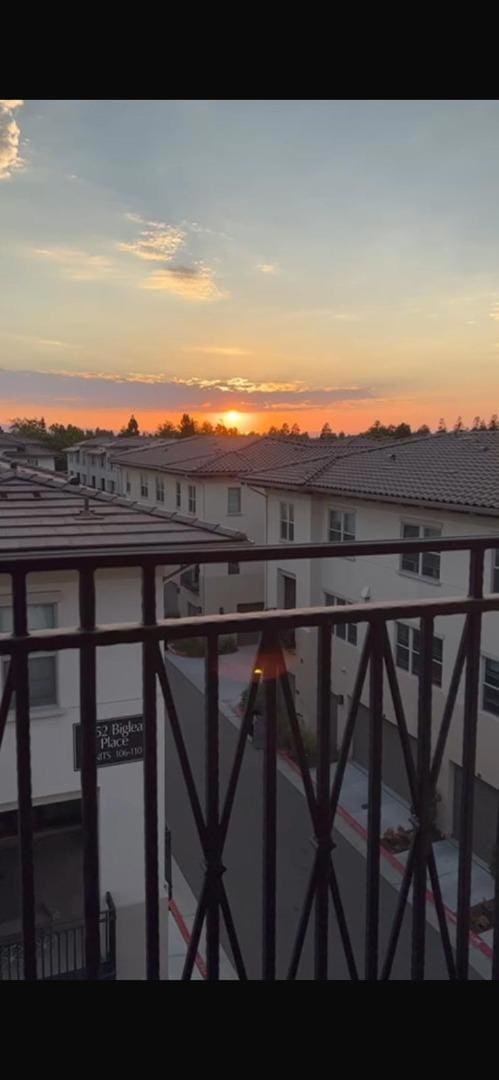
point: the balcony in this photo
(325, 906)
(60, 950)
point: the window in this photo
(193, 609)
(233, 568)
(92, 481)
(191, 492)
(144, 487)
(190, 578)
(160, 489)
(111, 486)
(423, 563)
(287, 521)
(103, 485)
(42, 666)
(495, 570)
(128, 483)
(341, 526)
(408, 652)
(178, 495)
(345, 631)
(32, 461)
(234, 500)
(490, 698)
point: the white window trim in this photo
(38, 711)
(192, 498)
(409, 573)
(412, 624)
(341, 510)
(235, 513)
(345, 603)
(287, 520)
(483, 657)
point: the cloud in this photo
(217, 350)
(44, 342)
(494, 314)
(10, 135)
(77, 265)
(267, 268)
(191, 282)
(160, 390)
(156, 243)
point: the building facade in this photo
(436, 487)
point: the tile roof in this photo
(122, 442)
(458, 470)
(42, 511)
(239, 455)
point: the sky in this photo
(250, 261)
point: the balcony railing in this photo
(60, 950)
(322, 798)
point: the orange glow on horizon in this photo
(348, 417)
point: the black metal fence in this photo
(60, 950)
(322, 798)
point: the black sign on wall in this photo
(118, 740)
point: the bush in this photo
(196, 646)
(285, 740)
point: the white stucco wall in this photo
(382, 577)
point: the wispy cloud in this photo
(217, 350)
(157, 390)
(191, 282)
(156, 243)
(32, 339)
(10, 135)
(77, 265)
(267, 268)
(494, 314)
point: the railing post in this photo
(469, 758)
(88, 716)
(214, 869)
(323, 836)
(21, 684)
(269, 810)
(423, 793)
(374, 799)
(150, 776)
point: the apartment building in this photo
(436, 486)
(21, 451)
(90, 462)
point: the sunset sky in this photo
(282, 260)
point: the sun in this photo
(233, 417)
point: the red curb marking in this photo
(475, 940)
(179, 919)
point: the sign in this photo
(118, 740)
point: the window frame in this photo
(178, 495)
(160, 488)
(345, 536)
(144, 486)
(483, 683)
(494, 555)
(422, 528)
(191, 498)
(234, 513)
(287, 522)
(46, 707)
(350, 635)
(230, 568)
(413, 652)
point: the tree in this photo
(442, 425)
(423, 430)
(206, 428)
(326, 431)
(476, 423)
(132, 427)
(458, 426)
(295, 429)
(493, 423)
(167, 430)
(402, 431)
(29, 429)
(187, 426)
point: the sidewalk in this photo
(180, 922)
(351, 820)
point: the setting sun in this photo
(233, 418)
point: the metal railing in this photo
(60, 949)
(376, 661)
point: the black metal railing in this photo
(322, 797)
(60, 949)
